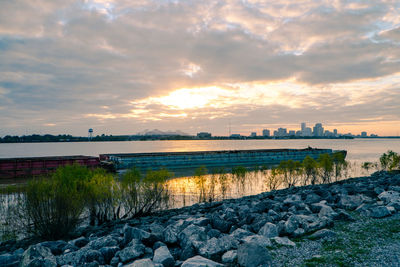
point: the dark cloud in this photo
(63, 60)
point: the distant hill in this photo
(157, 132)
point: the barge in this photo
(37, 166)
(210, 159)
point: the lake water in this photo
(185, 190)
(359, 150)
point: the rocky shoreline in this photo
(251, 231)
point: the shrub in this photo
(53, 206)
(390, 161)
(143, 195)
(273, 179)
(339, 164)
(310, 167)
(200, 180)
(326, 165)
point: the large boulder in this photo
(380, 212)
(141, 263)
(105, 241)
(37, 255)
(132, 252)
(220, 224)
(192, 235)
(198, 261)
(229, 257)
(350, 202)
(269, 230)
(215, 247)
(9, 260)
(240, 233)
(389, 196)
(163, 256)
(251, 254)
(131, 233)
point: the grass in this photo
(354, 241)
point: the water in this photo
(184, 189)
(359, 150)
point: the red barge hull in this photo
(36, 166)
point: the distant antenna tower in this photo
(90, 134)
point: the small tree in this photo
(390, 161)
(310, 167)
(273, 179)
(339, 163)
(326, 165)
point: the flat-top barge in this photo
(210, 159)
(175, 161)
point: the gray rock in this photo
(141, 263)
(187, 252)
(202, 221)
(323, 233)
(37, 255)
(199, 261)
(92, 256)
(229, 257)
(108, 253)
(395, 205)
(220, 224)
(269, 230)
(213, 233)
(389, 196)
(215, 247)
(170, 235)
(131, 233)
(350, 202)
(252, 254)
(9, 260)
(343, 216)
(105, 241)
(192, 234)
(312, 198)
(56, 247)
(298, 232)
(131, 252)
(380, 212)
(284, 241)
(79, 242)
(240, 233)
(292, 199)
(327, 211)
(163, 256)
(259, 239)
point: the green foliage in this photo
(223, 180)
(339, 164)
(390, 161)
(273, 179)
(239, 176)
(143, 195)
(200, 180)
(290, 171)
(326, 165)
(53, 207)
(368, 165)
(310, 167)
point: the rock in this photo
(202, 221)
(92, 256)
(298, 232)
(187, 252)
(350, 202)
(108, 253)
(9, 260)
(37, 255)
(79, 242)
(323, 233)
(380, 212)
(312, 198)
(252, 254)
(199, 261)
(158, 244)
(389, 196)
(163, 256)
(395, 205)
(292, 199)
(105, 241)
(292, 224)
(213, 233)
(220, 224)
(192, 234)
(326, 211)
(131, 233)
(259, 239)
(229, 257)
(214, 248)
(284, 241)
(343, 216)
(240, 233)
(131, 252)
(269, 230)
(170, 235)
(56, 247)
(141, 263)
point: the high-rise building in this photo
(281, 132)
(266, 133)
(303, 127)
(363, 134)
(253, 134)
(292, 133)
(335, 132)
(318, 130)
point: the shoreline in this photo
(215, 231)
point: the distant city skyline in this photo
(121, 67)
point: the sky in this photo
(121, 67)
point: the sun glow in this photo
(191, 98)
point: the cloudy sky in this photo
(121, 67)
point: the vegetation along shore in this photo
(82, 217)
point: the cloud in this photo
(62, 62)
